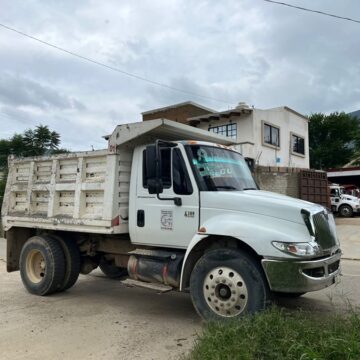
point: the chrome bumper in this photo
(301, 276)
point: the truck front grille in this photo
(325, 235)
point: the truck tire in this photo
(226, 284)
(42, 265)
(112, 271)
(346, 211)
(72, 261)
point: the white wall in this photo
(288, 122)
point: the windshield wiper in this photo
(228, 187)
(249, 188)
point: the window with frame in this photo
(181, 180)
(271, 135)
(178, 177)
(298, 144)
(229, 130)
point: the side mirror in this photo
(153, 170)
(151, 162)
(155, 186)
(250, 163)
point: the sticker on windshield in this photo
(166, 220)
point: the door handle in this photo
(140, 218)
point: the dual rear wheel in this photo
(49, 264)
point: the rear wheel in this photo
(227, 283)
(346, 211)
(112, 271)
(42, 265)
(72, 261)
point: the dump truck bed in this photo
(77, 191)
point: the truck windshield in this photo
(218, 169)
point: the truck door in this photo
(161, 222)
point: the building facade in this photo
(271, 137)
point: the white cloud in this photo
(265, 54)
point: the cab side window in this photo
(165, 168)
(181, 181)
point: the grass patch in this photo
(277, 334)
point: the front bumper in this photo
(301, 276)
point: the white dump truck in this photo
(166, 206)
(343, 204)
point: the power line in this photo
(153, 82)
(313, 11)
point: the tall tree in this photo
(41, 140)
(33, 142)
(333, 139)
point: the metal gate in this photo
(314, 187)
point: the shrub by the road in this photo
(275, 334)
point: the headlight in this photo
(298, 249)
(308, 221)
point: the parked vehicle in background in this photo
(343, 204)
(353, 190)
(166, 206)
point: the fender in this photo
(257, 235)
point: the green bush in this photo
(275, 334)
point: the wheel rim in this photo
(345, 211)
(225, 291)
(35, 266)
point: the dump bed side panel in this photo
(78, 191)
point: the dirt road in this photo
(97, 319)
(102, 319)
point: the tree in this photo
(40, 141)
(334, 139)
(36, 142)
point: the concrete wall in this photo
(279, 179)
(179, 113)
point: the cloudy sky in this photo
(241, 50)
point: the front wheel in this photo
(227, 283)
(346, 211)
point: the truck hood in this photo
(346, 197)
(259, 202)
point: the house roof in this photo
(350, 171)
(216, 116)
(236, 112)
(288, 109)
(178, 105)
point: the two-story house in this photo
(270, 137)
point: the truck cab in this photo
(168, 205)
(344, 204)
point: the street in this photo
(97, 318)
(102, 318)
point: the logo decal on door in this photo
(189, 214)
(166, 220)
